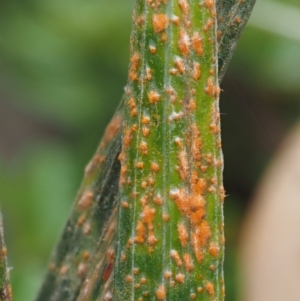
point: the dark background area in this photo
(63, 66)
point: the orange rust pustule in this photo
(167, 275)
(204, 233)
(147, 218)
(208, 25)
(192, 105)
(184, 6)
(174, 255)
(161, 293)
(192, 205)
(196, 145)
(112, 128)
(214, 249)
(197, 247)
(140, 233)
(128, 278)
(153, 97)
(160, 22)
(183, 234)
(127, 137)
(85, 201)
(184, 43)
(145, 131)
(180, 278)
(143, 148)
(154, 167)
(179, 64)
(209, 287)
(135, 62)
(145, 119)
(211, 89)
(188, 262)
(197, 43)
(183, 164)
(156, 3)
(196, 71)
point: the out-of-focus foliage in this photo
(63, 66)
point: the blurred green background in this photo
(63, 66)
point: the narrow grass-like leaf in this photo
(232, 19)
(170, 230)
(5, 287)
(81, 267)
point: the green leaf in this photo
(5, 287)
(170, 222)
(81, 267)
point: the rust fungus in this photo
(140, 20)
(209, 287)
(197, 43)
(196, 71)
(174, 254)
(144, 148)
(180, 278)
(210, 4)
(145, 131)
(139, 165)
(183, 234)
(145, 119)
(140, 233)
(165, 217)
(188, 263)
(179, 64)
(192, 105)
(167, 275)
(160, 22)
(199, 289)
(152, 49)
(175, 20)
(173, 71)
(143, 280)
(237, 20)
(184, 43)
(144, 184)
(135, 61)
(208, 25)
(215, 129)
(183, 164)
(158, 200)
(211, 89)
(125, 205)
(153, 96)
(87, 228)
(161, 293)
(164, 37)
(196, 142)
(184, 6)
(86, 200)
(85, 255)
(148, 74)
(154, 167)
(222, 193)
(127, 137)
(128, 278)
